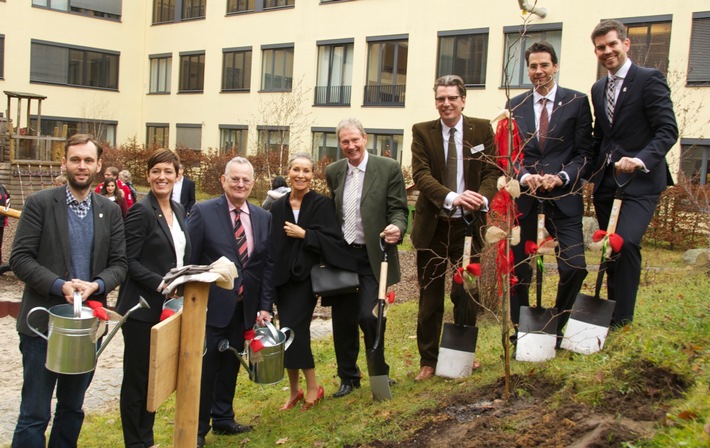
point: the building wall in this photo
(135, 37)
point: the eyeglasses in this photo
(442, 99)
(239, 180)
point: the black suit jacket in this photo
(41, 255)
(187, 195)
(568, 147)
(428, 166)
(211, 231)
(644, 127)
(151, 254)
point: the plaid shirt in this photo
(80, 208)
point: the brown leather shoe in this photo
(425, 373)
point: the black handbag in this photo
(331, 281)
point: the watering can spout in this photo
(223, 346)
(142, 303)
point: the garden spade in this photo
(458, 341)
(591, 316)
(377, 368)
(537, 331)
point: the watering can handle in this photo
(290, 337)
(33, 328)
(274, 332)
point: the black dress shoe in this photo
(230, 428)
(391, 381)
(346, 388)
(200, 441)
(4, 268)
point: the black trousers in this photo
(624, 272)
(570, 262)
(433, 271)
(219, 373)
(353, 310)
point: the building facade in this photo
(256, 75)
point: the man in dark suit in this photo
(453, 171)
(370, 199)
(229, 226)
(634, 128)
(555, 126)
(68, 240)
(184, 191)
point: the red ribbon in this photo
(167, 312)
(501, 140)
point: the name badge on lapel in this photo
(477, 148)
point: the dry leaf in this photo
(599, 377)
(282, 440)
(687, 415)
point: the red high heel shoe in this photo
(309, 404)
(291, 403)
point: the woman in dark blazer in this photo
(304, 230)
(156, 242)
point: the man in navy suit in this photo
(213, 233)
(555, 126)
(634, 128)
(184, 191)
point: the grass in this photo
(671, 331)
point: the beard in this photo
(83, 185)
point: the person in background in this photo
(115, 194)
(4, 200)
(278, 189)
(453, 167)
(557, 150)
(156, 241)
(112, 173)
(370, 200)
(230, 226)
(634, 128)
(184, 191)
(125, 177)
(68, 240)
(60, 180)
(304, 231)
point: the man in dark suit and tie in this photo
(184, 191)
(555, 126)
(370, 199)
(68, 240)
(454, 168)
(634, 128)
(229, 226)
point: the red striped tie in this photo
(242, 249)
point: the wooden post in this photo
(192, 345)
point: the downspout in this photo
(539, 10)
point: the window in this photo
(233, 139)
(335, 73)
(268, 4)
(385, 142)
(193, 9)
(163, 11)
(273, 138)
(386, 71)
(650, 41)
(239, 6)
(188, 136)
(277, 68)
(464, 53)
(54, 63)
(514, 67)
(325, 144)
(2, 56)
(694, 156)
(160, 69)
(699, 63)
(236, 69)
(103, 130)
(192, 72)
(157, 135)
(106, 9)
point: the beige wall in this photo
(303, 25)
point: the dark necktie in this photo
(610, 98)
(242, 249)
(544, 124)
(451, 163)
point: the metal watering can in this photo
(71, 341)
(267, 365)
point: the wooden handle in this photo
(614, 217)
(382, 293)
(11, 212)
(466, 259)
(540, 229)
